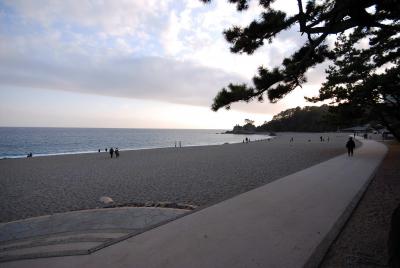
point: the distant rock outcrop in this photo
(246, 129)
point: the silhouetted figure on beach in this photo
(116, 153)
(111, 152)
(350, 145)
(105, 150)
(328, 139)
(99, 150)
(29, 155)
(291, 139)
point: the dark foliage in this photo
(360, 77)
(367, 80)
(307, 119)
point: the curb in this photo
(320, 251)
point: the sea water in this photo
(18, 142)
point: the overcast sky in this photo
(131, 64)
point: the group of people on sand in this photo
(112, 151)
(321, 138)
(246, 140)
(350, 144)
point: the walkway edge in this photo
(320, 252)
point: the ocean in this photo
(17, 142)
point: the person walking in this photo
(116, 153)
(111, 152)
(350, 145)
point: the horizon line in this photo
(112, 127)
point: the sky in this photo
(132, 64)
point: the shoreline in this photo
(266, 134)
(126, 149)
(195, 175)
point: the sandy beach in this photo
(200, 175)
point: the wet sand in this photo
(199, 176)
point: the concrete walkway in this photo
(78, 232)
(364, 240)
(287, 223)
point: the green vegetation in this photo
(365, 75)
(306, 119)
(247, 128)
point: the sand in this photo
(199, 176)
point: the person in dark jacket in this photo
(350, 145)
(111, 152)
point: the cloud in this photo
(196, 34)
(115, 18)
(317, 75)
(171, 51)
(152, 78)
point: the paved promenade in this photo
(287, 223)
(357, 246)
